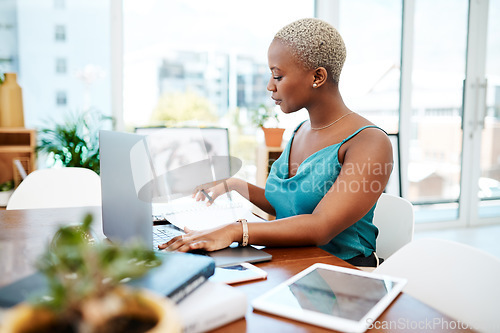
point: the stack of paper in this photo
(210, 306)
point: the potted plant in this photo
(267, 119)
(86, 291)
(75, 142)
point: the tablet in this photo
(334, 297)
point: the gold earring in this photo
(315, 85)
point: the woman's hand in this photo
(209, 240)
(213, 190)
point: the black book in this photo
(177, 276)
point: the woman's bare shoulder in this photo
(372, 141)
(366, 131)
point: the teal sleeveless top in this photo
(301, 193)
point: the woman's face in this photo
(290, 83)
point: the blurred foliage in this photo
(181, 107)
(79, 270)
(7, 186)
(75, 141)
(244, 147)
(264, 116)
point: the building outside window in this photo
(60, 33)
(80, 66)
(59, 4)
(61, 66)
(61, 98)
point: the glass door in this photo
(488, 209)
(441, 99)
(370, 80)
(435, 138)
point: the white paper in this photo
(186, 212)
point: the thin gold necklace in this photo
(320, 128)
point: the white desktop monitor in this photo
(189, 156)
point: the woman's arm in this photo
(367, 164)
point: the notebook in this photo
(186, 212)
(177, 276)
(130, 183)
(211, 306)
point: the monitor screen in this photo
(185, 157)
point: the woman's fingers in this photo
(210, 191)
(205, 194)
(198, 196)
(182, 243)
(209, 240)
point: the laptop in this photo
(130, 183)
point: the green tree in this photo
(181, 107)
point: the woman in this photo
(324, 187)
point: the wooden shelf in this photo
(16, 144)
(16, 149)
(265, 159)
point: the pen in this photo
(208, 196)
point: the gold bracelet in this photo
(244, 241)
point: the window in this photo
(439, 56)
(489, 183)
(60, 33)
(222, 57)
(206, 60)
(216, 52)
(61, 66)
(61, 98)
(79, 66)
(369, 82)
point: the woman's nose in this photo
(270, 85)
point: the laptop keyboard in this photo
(164, 234)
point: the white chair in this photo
(458, 280)
(393, 216)
(57, 187)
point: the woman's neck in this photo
(327, 107)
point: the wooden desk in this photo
(24, 233)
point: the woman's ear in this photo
(320, 76)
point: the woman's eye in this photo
(277, 77)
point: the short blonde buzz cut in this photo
(316, 43)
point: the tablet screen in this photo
(331, 292)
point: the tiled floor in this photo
(486, 238)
